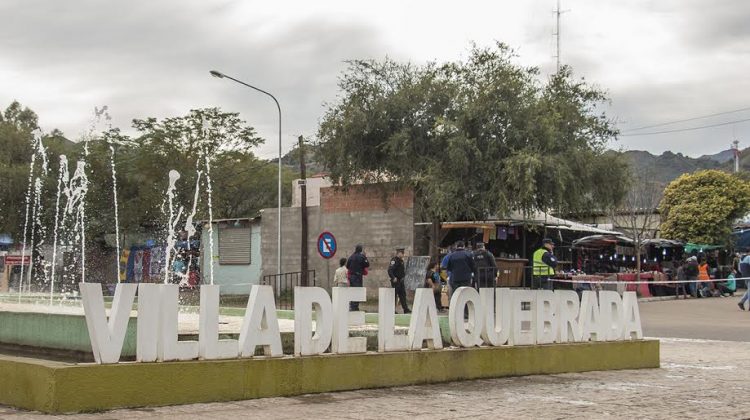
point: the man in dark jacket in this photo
(357, 265)
(397, 272)
(461, 265)
(486, 266)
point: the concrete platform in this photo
(56, 387)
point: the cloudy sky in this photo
(661, 61)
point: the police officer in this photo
(357, 265)
(486, 266)
(544, 265)
(397, 272)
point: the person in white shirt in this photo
(341, 276)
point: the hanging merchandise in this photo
(157, 261)
(124, 264)
(502, 233)
(129, 273)
(138, 266)
(146, 265)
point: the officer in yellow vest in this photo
(544, 265)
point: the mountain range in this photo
(668, 166)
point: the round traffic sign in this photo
(326, 245)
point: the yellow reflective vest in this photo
(540, 267)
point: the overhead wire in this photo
(687, 119)
(677, 130)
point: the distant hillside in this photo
(668, 166)
(720, 157)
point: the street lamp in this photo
(220, 75)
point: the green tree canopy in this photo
(241, 183)
(473, 138)
(701, 207)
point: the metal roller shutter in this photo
(234, 245)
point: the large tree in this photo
(701, 207)
(473, 138)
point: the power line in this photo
(688, 119)
(685, 129)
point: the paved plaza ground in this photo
(703, 375)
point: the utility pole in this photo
(303, 196)
(736, 150)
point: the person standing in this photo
(461, 265)
(691, 274)
(357, 265)
(432, 281)
(544, 265)
(486, 266)
(340, 277)
(397, 272)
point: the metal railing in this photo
(283, 286)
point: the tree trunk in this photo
(435, 241)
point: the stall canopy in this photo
(537, 219)
(691, 247)
(602, 241)
(663, 243)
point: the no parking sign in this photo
(326, 245)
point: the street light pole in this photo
(278, 246)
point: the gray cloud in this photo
(152, 59)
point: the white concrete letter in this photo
(424, 324)
(260, 327)
(343, 318)
(590, 318)
(171, 348)
(546, 317)
(523, 331)
(610, 305)
(210, 347)
(387, 339)
(306, 301)
(148, 340)
(469, 333)
(568, 307)
(497, 315)
(631, 316)
(106, 336)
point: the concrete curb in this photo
(55, 387)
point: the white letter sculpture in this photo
(497, 315)
(210, 347)
(343, 318)
(260, 327)
(590, 318)
(522, 317)
(388, 340)
(546, 317)
(171, 348)
(469, 333)
(424, 324)
(610, 305)
(107, 337)
(568, 307)
(149, 322)
(631, 317)
(306, 301)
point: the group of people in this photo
(461, 267)
(698, 273)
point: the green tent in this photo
(691, 247)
